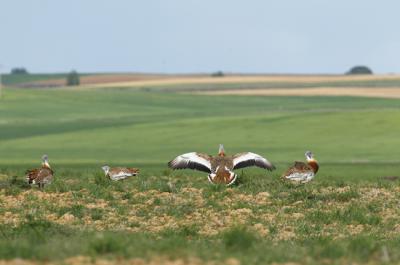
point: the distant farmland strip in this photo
(381, 92)
(35, 80)
(378, 84)
(197, 84)
(182, 83)
(13, 79)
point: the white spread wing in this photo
(192, 160)
(250, 159)
(119, 176)
(302, 177)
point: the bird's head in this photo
(221, 151)
(45, 161)
(309, 156)
(105, 169)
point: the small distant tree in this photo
(359, 70)
(19, 71)
(218, 74)
(73, 79)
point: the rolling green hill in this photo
(118, 127)
(348, 214)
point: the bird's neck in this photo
(46, 164)
(314, 165)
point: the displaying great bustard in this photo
(220, 167)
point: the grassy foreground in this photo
(348, 214)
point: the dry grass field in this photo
(253, 81)
(187, 80)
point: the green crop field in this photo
(15, 79)
(349, 213)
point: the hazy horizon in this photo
(191, 36)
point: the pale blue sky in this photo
(282, 36)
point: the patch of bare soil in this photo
(154, 211)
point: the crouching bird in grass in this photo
(220, 168)
(120, 173)
(40, 176)
(302, 172)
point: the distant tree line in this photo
(217, 74)
(19, 71)
(359, 70)
(73, 78)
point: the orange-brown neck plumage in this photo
(221, 151)
(314, 165)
